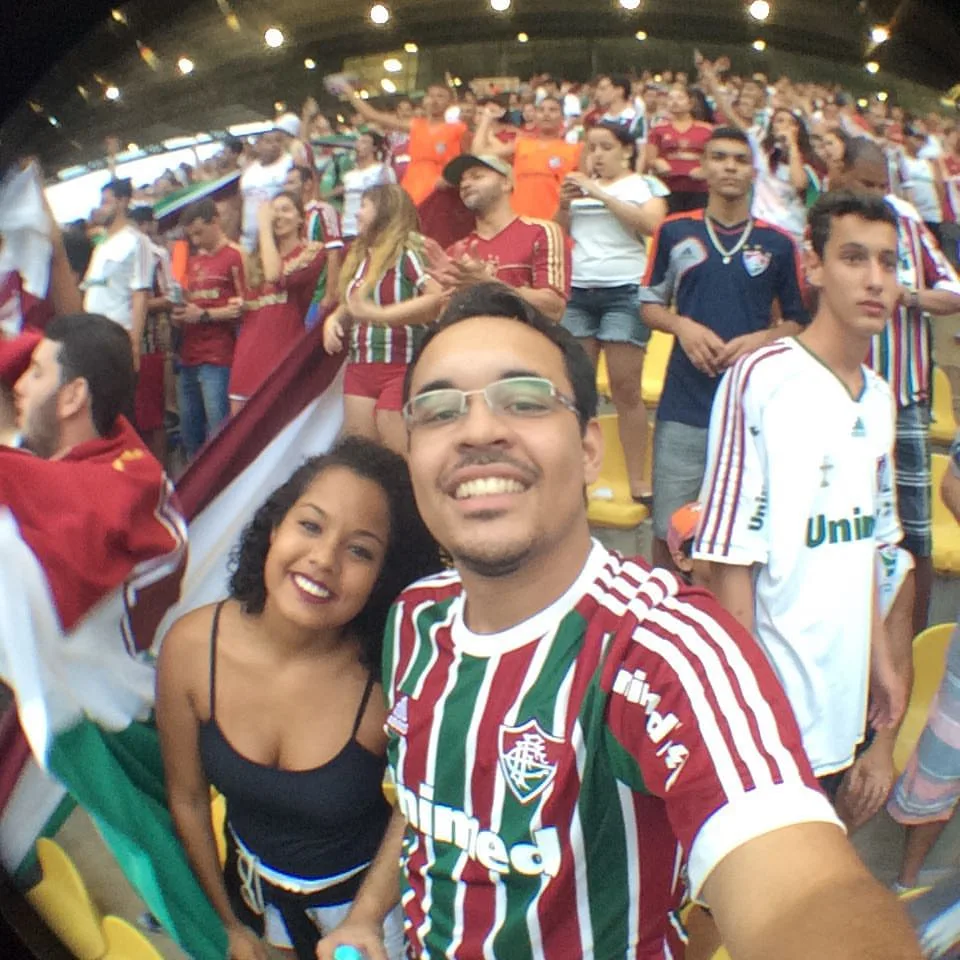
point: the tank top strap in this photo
(214, 631)
(367, 690)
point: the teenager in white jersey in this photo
(799, 493)
(567, 727)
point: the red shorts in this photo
(150, 400)
(382, 382)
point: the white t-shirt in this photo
(917, 176)
(355, 181)
(799, 481)
(259, 183)
(120, 265)
(776, 199)
(605, 253)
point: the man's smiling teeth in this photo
(487, 486)
(308, 586)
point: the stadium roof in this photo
(68, 58)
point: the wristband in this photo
(205, 317)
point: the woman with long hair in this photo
(608, 214)
(831, 148)
(787, 182)
(386, 300)
(281, 279)
(273, 696)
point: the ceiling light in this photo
(83, 91)
(119, 16)
(185, 65)
(862, 102)
(273, 37)
(759, 45)
(629, 4)
(131, 147)
(759, 9)
(882, 96)
(233, 22)
(392, 65)
(379, 13)
(279, 106)
(340, 118)
(871, 66)
(53, 121)
(522, 38)
(501, 6)
(310, 63)
(410, 47)
(457, 82)
(879, 34)
(112, 93)
(364, 94)
(388, 85)
(641, 34)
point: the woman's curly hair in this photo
(411, 553)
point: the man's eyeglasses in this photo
(523, 398)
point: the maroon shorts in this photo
(150, 399)
(382, 382)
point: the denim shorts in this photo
(679, 462)
(607, 314)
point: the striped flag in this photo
(85, 601)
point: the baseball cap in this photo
(457, 167)
(289, 123)
(683, 526)
(15, 357)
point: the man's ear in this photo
(592, 452)
(73, 398)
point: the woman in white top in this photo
(369, 171)
(786, 183)
(607, 214)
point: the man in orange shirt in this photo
(540, 161)
(433, 141)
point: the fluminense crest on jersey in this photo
(528, 758)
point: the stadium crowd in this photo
(579, 743)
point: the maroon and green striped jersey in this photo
(562, 779)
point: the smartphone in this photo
(176, 294)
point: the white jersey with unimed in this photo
(799, 481)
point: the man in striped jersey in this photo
(568, 729)
(799, 496)
(901, 353)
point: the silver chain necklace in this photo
(726, 254)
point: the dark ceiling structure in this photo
(62, 59)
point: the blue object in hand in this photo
(346, 952)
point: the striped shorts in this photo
(929, 789)
(912, 459)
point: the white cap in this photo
(289, 123)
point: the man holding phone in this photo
(206, 313)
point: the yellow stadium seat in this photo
(946, 530)
(610, 503)
(126, 942)
(943, 422)
(389, 789)
(218, 813)
(603, 376)
(655, 366)
(62, 899)
(721, 954)
(929, 657)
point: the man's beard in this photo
(492, 568)
(41, 432)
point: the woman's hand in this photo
(583, 183)
(244, 944)
(333, 333)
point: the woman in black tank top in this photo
(273, 697)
